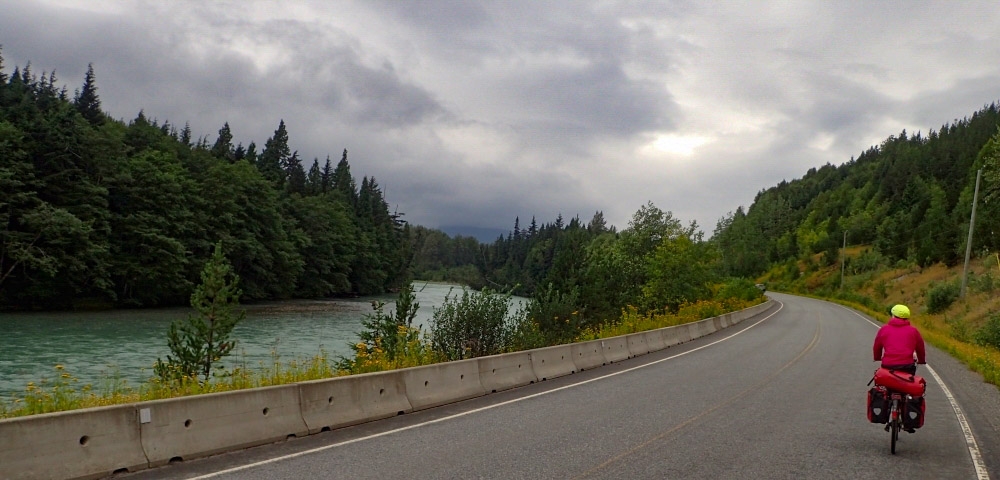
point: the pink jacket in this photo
(896, 341)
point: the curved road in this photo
(781, 395)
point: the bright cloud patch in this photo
(683, 145)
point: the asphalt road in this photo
(781, 395)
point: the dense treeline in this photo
(910, 198)
(96, 211)
(581, 275)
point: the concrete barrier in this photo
(637, 344)
(552, 362)
(654, 340)
(502, 372)
(751, 312)
(701, 328)
(190, 427)
(675, 335)
(88, 443)
(587, 355)
(350, 400)
(615, 349)
(438, 384)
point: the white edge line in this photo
(476, 410)
(970, 439)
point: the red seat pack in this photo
(901, 382)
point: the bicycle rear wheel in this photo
(894, 424)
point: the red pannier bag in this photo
(901, 382)
(914, 409)
(878, 405)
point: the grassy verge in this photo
(632, 321)
(950, 325)
(980, 359)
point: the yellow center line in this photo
(730, 400)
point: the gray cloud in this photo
(478, 112)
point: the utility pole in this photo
(843, 260)
(968, 243)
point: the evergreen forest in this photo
(97, 212)
(908, 200)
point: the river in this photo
(95, 346)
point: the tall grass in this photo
(632, 321)
(64, 392)
(982, 359)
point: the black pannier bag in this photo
(878, 405)
(913, 412)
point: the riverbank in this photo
(111, 349)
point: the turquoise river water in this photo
(95, 346)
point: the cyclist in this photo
(897, 341)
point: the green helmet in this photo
(900, 311)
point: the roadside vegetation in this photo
(389, 341)
(968, 327)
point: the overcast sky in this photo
(474, 113)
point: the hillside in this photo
(903, 210)
(910, 198)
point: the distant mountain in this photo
(484, 235)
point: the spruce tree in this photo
(87, 102)
(202, 340)
(326, 177)
(275, 156)
(223, 147)
(295, 175)
(343, 182)
(251, 154)
(186, 134)
(314, 179)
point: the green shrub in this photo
(941, 296)
(982, 283)
(869, 261)
(959, 328)
(392, 331)
(739, 288)
(882, 289)
(989, 334)
(556, 314)
(854, 297)
(475, 325)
